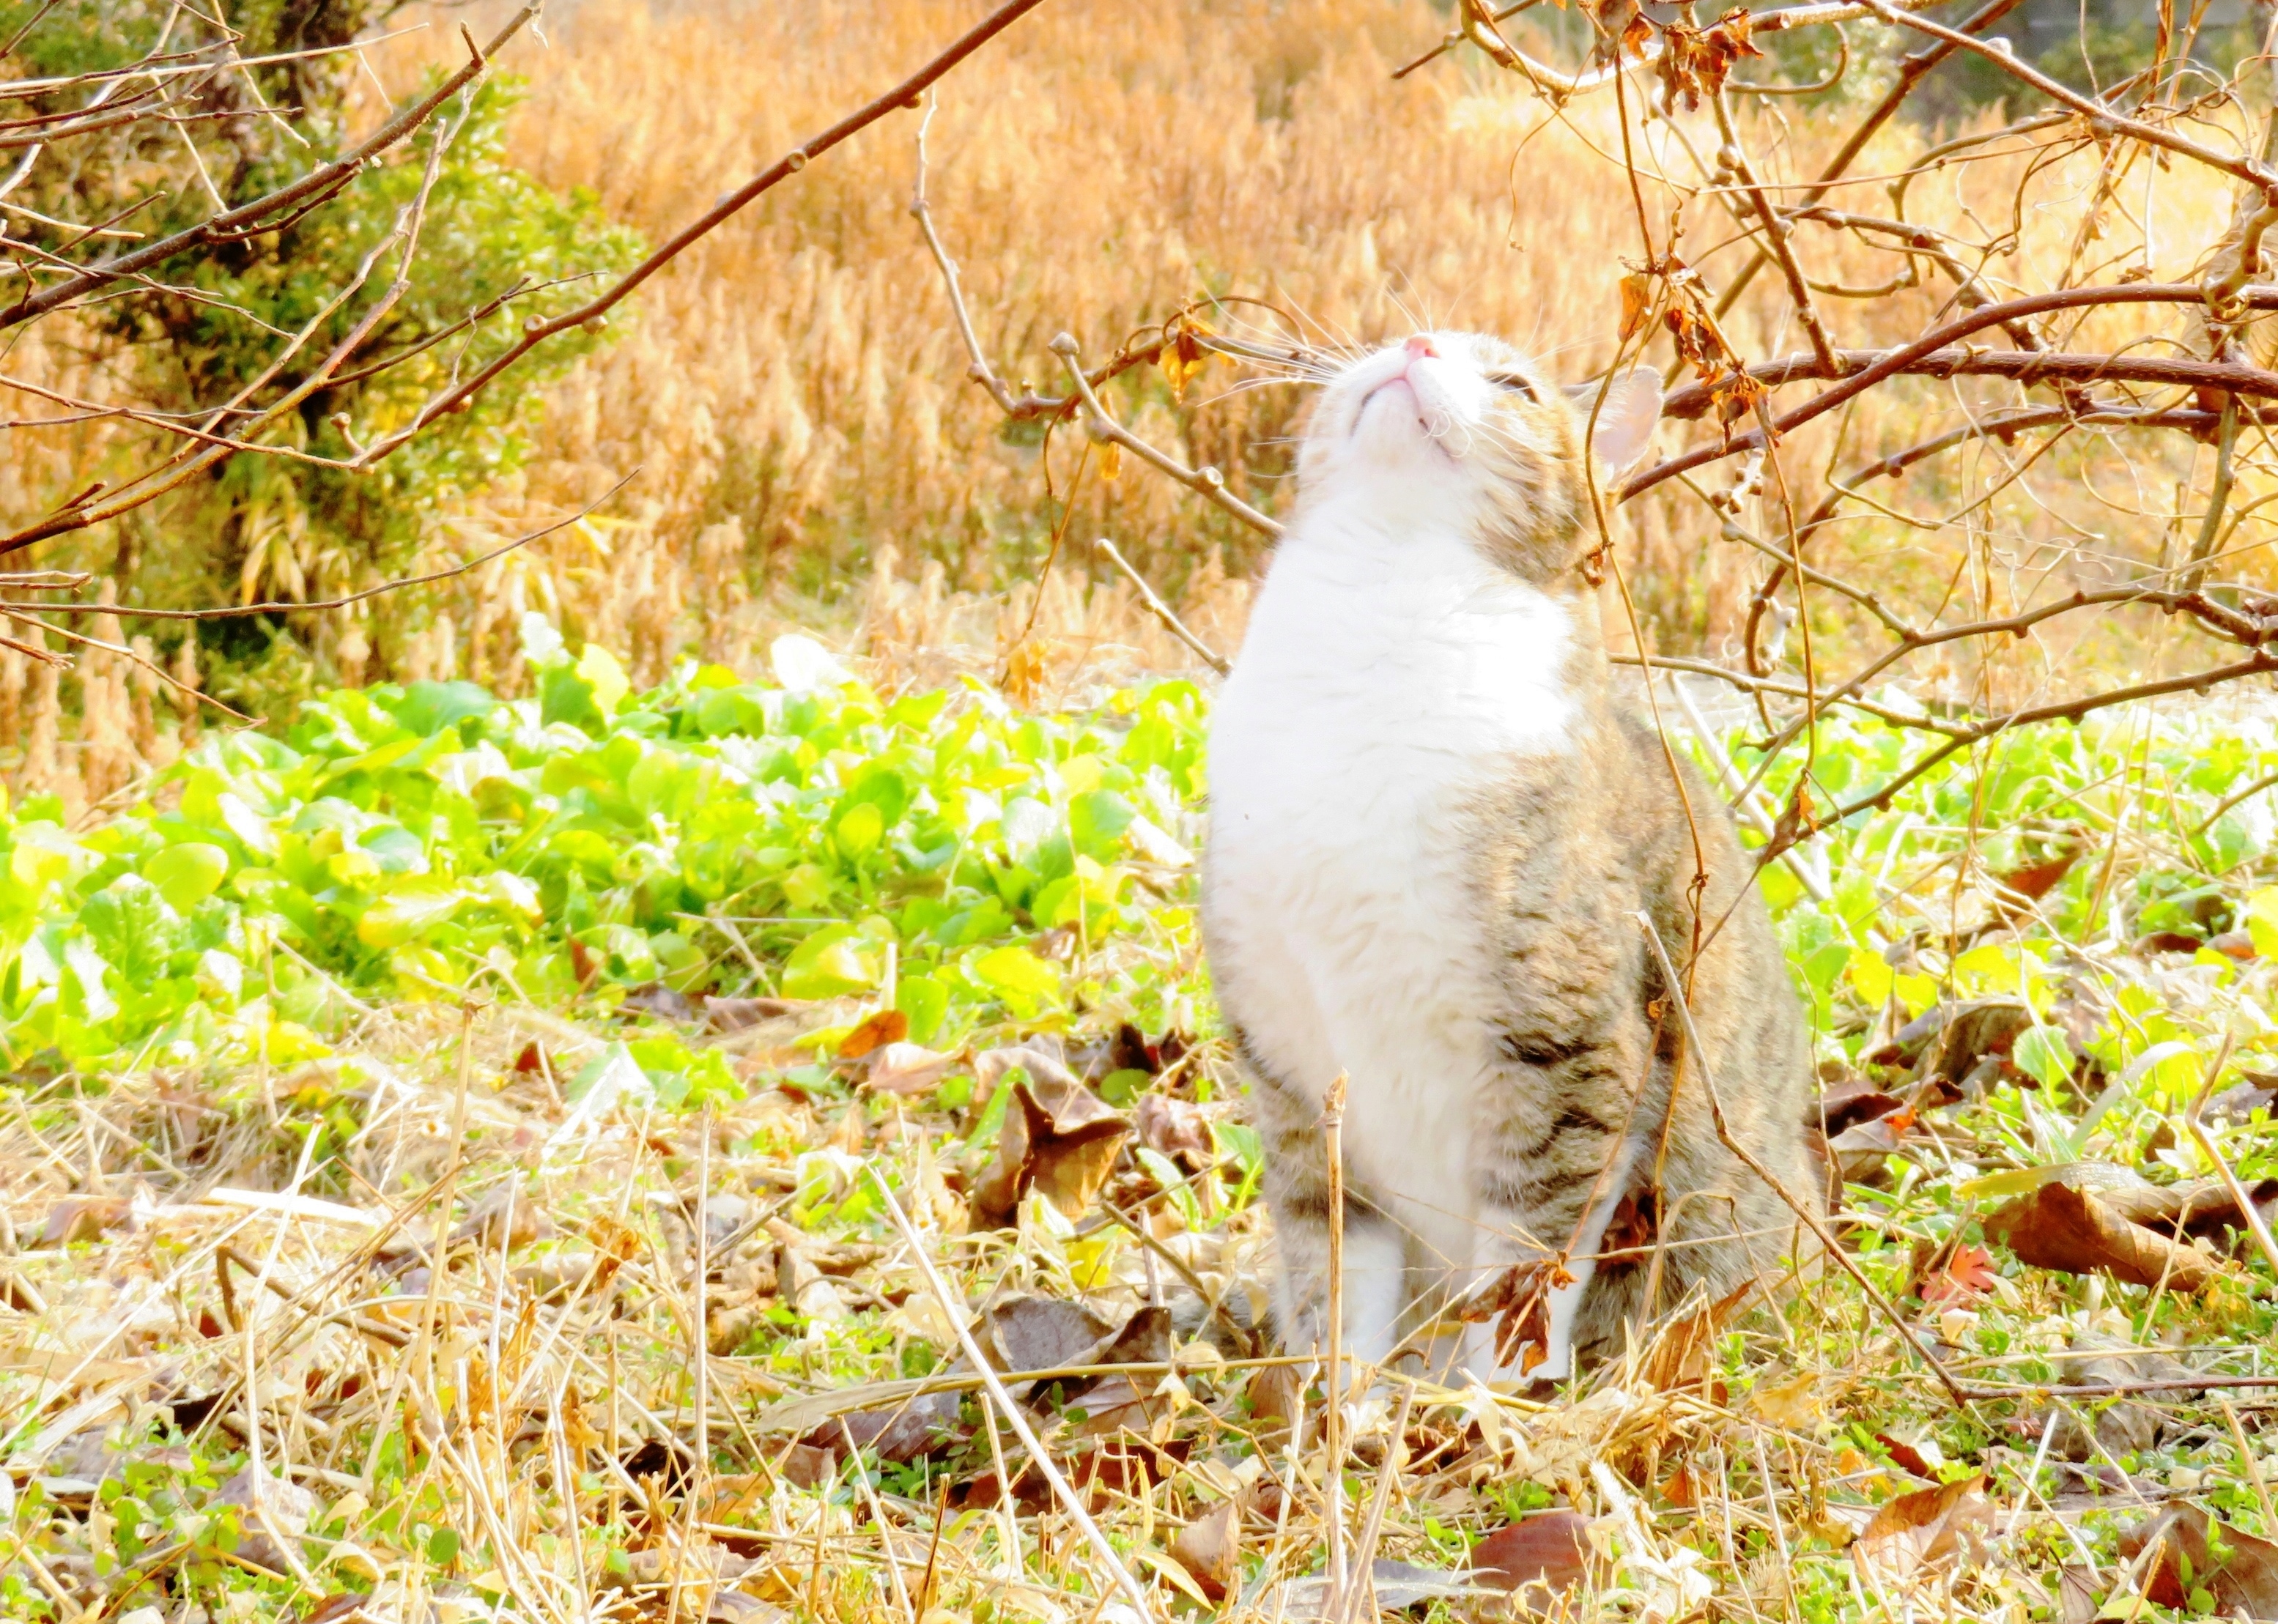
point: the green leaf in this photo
(2262, 920)
(402, 917)
(564, 696)
(44, 854)
(1016, 971)
(859, 830)
(187, 874)
(605, 676)
(1872, 975)
(925, 1000)
(830, 963)
(1121, 1088)
(808, 886)
(427, 708)
(2043, 1054)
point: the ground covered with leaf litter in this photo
(752, 1151)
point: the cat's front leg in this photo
(1374, 1288)
(1374, 1292)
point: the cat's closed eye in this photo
(1514, 382)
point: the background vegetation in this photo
(554, 1123)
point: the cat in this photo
(1431, 827)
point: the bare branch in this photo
(1161, 611)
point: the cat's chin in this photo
(1397, 435)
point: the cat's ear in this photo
(1626, 420)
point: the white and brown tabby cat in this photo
(1431, 829)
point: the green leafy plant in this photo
(414, 841)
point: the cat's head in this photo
(1460, 429)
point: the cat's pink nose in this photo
(1421, 345)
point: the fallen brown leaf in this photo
(2203, 1206)
(886, 1026)
(1853, 1100)
(655, 998)
(1041, 1333)
(1976, 1033)
(1175, 1128)
(2077, 1601)
(1550, 1550)
(2237, 1570)
(1860, 1149)
(285, 1507)
(1907, 1456)
(1683, 1354)
(2033, 881)
(907, 1069)
(1059, 1139)
(2061, 1226)
(1794, 1404)
(2167, 941)
(504, 1216)
(83, 1217)
(1924, 1531)
(736, 1014)
(1210, 1549)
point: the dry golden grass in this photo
(797, 376)
(808, 448)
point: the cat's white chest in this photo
(1383, 681)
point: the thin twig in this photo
(1162, 611)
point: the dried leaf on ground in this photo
(907, 1069)
(2062, 1225)
(657, 999)
(1398, 1586)
(1682, 1355)
(1851, 1101)
(739, 1014)
(1210, 1549)
(2204, 1566)
(1796, 1404)
(84, 1217)
(331, 1608)
(271, 1504)
(885, 1028)
(1952, 1275)
(1175, 1128)
(1059, 1139)
(504, 1217)
(2112, 1428)
(1550, 1550)
(1042, 1333)
(1860, 1149)
(1955, 1041)
(1920, 1533)
(2204, 1207)
(2035, 879)
(800, 1277)
(1908, 1456)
